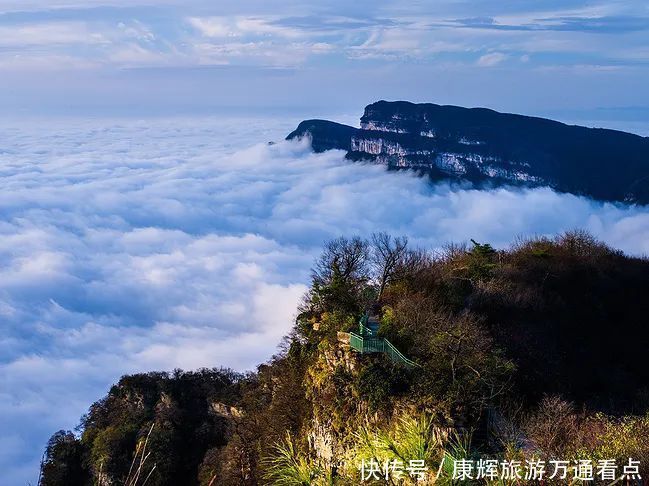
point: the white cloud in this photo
(129, 246)
(253, 40)
(534, 16)
(260, 53)
(491, 59)
(214, 26)
(237, 26)
(29, 63)
(76, 45)
(131, 54)
(49, 34)
(284, 33)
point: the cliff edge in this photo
(484, 146)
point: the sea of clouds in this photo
(132, 246)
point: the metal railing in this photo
(362, 326)
(371, 344)
(396, 355)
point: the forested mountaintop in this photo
(536, 351)
(484, 146)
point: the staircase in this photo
(368, 341)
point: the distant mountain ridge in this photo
(484, 146)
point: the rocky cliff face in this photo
(483, 146)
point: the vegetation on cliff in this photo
(534, 351)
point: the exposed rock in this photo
(483, 146)
(226, 410)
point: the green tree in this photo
(63, 461)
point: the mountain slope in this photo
(535, 351)
(484, 146)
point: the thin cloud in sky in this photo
(491, 59)
(108, 38)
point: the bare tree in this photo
(413, 262)
(343, 258)
(388, 254)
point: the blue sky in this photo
(565, 58)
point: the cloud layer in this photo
(131, 246)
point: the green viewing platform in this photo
(368, 341)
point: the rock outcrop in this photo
(483, 146)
